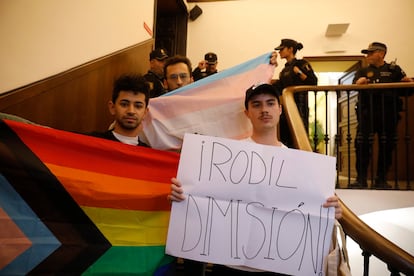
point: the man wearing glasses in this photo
(177, 72)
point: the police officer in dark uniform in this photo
(206, 67)
(377, 113)
(155, 75)
(296, 72)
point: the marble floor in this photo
(388, 212)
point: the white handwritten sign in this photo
(252, 205)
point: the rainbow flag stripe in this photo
(71, 203)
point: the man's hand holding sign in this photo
(252, 205)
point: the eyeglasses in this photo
(182, 76)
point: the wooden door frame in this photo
(359, 61)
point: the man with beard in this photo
(129, 105)
(177, 72)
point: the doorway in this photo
(333, 68)
(171, 26)
(323, 107)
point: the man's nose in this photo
(264, 108)
(179, 80)
(131, 108)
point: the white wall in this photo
(40, 38)
(241, 30)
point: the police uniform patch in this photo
(370, 74)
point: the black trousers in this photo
(191, 268)
(381, 122)
(228, 271)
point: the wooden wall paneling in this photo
(401, 144)
(343, 130)
(76, 100)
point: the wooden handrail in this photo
(296, 126)
(368, 239)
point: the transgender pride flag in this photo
(212, 106)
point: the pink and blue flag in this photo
(211, 106)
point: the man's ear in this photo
(111, 107)
(146, 112)
(166, 84)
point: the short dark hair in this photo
(177, 59)
(133, 82)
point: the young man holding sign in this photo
(263, 109)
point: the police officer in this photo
(377, 113)
(295, 72)
(155, 75)
(206, 67)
